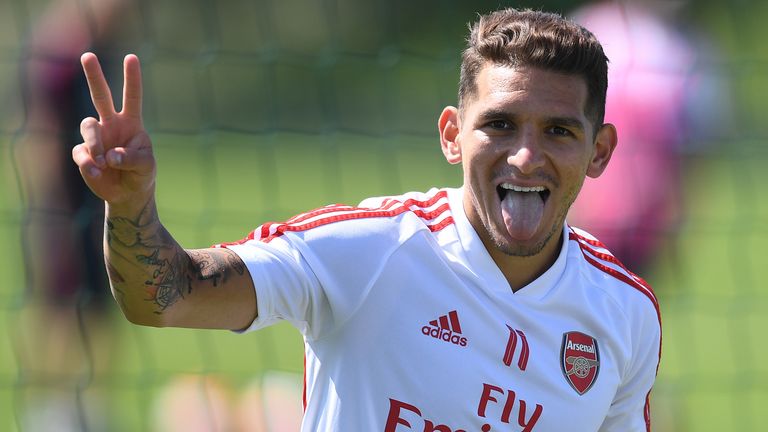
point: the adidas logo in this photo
(446, 328)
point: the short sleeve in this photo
(317, 278)
(286, 287)
(630, 409)
(316, 269)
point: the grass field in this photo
(217, 188)
(373, 76)
(207, 193)
(714, 300)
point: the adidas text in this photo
(444, 335)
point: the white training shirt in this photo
(410, 326)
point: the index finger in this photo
(132, 87)
(100, 93)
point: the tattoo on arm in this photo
(235, 263)
(171, 271)
(215, 266)
(209, 267)
(169, 280)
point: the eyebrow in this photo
(492, 114)
(567, 121)
(571, 122)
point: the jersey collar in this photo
(479, 262)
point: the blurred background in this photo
(263, 109)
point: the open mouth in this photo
(505, 188)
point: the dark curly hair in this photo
(530, 38)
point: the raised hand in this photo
(116, 159)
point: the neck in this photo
(522, 270)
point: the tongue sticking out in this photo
(522, 212)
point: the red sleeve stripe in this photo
(647, 409)
(630, 279)
(251, 236)
(435, 211)
(304, 388)
(324, 210)
(438, 226)
(626, 279)
(280, 229)
(592, 256)
(593, 242)
(387, 204)
(265, 229)
(637, 281)
(608, 257)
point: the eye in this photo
(499, 124)
(561, 131)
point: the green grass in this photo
(210, 189)
(217, 188)
(712, 375)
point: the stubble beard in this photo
(524, 250)
(519, 250)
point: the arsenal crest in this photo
(580, 360)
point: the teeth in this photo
(510, 186)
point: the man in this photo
(472, 309)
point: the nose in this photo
(526, 154)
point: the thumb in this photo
(133, 157)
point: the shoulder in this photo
(622, 291)
(609, 275)
(389, 216)
(386, 218)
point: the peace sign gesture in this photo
(116, 159)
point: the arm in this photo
(630, 410)
(154, 280)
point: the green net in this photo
(259, 110)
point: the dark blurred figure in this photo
(62, 332)
(66, 331)
(67, 216)
(655, 99)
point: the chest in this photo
(441, 348)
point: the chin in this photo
(520, 249)
(526, 248)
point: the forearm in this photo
(148, 270)
(156, 282)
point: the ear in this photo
(605, 144)
(448, 125)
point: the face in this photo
(525, 144)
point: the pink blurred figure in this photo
(637, 201)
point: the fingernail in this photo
(115, 158)
(100, 161)
(94, 172)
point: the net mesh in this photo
(259, 110)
